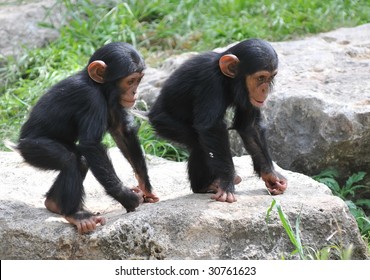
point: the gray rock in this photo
(21, 25)
(182, 225)
(319, 115)
(154, 78)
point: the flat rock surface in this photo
(182, 225)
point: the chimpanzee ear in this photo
(96, 70)
(229, 65)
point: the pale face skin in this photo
(259, 86)
(128, 86)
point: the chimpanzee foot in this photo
(221, 195)
(224, 196)
(214, 187)
(52, 206)
(85, 221)
(237, 180)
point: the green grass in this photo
(330, 251)
(294, 235)
(349, 192)
(199, 25)
(158, 147)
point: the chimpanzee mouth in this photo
(257, 102)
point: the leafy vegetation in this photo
(348, 193)
(294, 236)
(155, 146)
(332, 251)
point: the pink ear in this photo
(96, 70)
(229, 64)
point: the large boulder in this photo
(182, 225)
(318, 116)
(28, 23)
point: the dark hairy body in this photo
(191, 108)
(65, 129)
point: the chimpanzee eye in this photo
(262, 79)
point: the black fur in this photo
(65, 129)
(191, 107)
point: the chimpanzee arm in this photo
(127, 141)
(92, 125)
(102, 168)
(250, 128)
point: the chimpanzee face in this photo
(259, 85)
(128, 88)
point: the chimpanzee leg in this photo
(168, 127)
(200, 175)
(66, 194)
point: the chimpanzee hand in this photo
(149, 197)
(145, 196)
(275, 182)
(139, 193)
